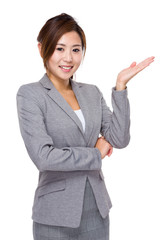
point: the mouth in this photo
(66, 68)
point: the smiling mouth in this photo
(66, 67)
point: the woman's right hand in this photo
(104, 147)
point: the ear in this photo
(39, 48)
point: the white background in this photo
(118, 33)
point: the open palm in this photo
(126, 74)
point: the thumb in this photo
(133, 64)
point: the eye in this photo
(76, 50)
(59, 49)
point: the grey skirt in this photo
(92, 226)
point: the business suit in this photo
(63, 153)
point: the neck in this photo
(60, 85)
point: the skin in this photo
(122, 79)
(128, 73)
(68, 52)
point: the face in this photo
(66, 58)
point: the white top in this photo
(81, 117)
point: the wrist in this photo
(120, 87)
(99, 152)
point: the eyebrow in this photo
(75, 45)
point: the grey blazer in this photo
(65, 155)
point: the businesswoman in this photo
(60, 122)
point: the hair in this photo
(53, 30)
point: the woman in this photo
(60, 122)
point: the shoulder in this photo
(30, 90)
(29, 87)
(30, 94)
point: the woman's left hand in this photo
(125, 75)
(110, 151)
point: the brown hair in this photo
(53, 30)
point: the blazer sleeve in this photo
(40, 145)
(115, 126)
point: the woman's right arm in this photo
(39, 144)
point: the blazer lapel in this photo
(85, 107)
(62, 103)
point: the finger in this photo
(146, 61)
(110, 151)
(109, 154)
(144, 64)
(133, 64)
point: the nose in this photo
(68, 56)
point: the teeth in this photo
(66, 67)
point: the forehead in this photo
(70, 38)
